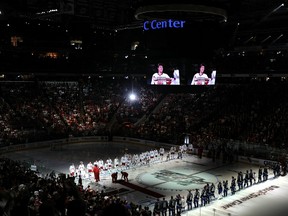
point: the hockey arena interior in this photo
(141, 108)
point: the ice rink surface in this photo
(168, 178)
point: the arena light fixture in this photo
(132, 96)
(171, 11)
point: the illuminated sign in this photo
(155, 24)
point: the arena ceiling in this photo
(247, 21)
(253, 24)
(254, 14)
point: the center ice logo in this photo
(179, 178)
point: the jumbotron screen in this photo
(169, 75)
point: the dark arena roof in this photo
(107, 37)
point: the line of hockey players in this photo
(201, 198)
(128, 161)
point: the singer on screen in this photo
(160, 78)
(201, 77)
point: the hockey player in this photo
(161, 152)
(116, 163)
(183, 204)
(203, 197)
(142, 159)
(168, 156)
(220, 188)
(265, 174)
(123, 162)
(157, 208)
(89, 169)
(251, 177)
(72, 170)
(190, 148)
(225, 188)
(212, 191)
(246, 179)
(81, 169)
(207, 193)
(134, 160)
(196, 198)
(184, 149)
(277, 169)
(109, 163)
(240, 180)
(180, 154)
(172, 204)
(178, 204)
(260, 173)
(106, 167)
(164, 207)
(233, 185)
(172, 152)
(156, 155)
(101, 164)
(189, 200)
(152, 156)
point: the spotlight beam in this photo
(267, 38)
(276, 39)
(270, 13)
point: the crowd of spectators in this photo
(23, 192)
(131, 111)
(250, 113)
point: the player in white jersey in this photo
(161, 152)
(81, 169)
(72, 170)
(123, 162)
(184, 149)
(89, 169)
(151, 153)
(180, 152)
(106, 166)
(172, 152)
(147, 158)
(190, 148)
(142, 158)
(116, 162)
(128, 160)
(101, 164)
(135, 160)
(95, 163)
(156, 155)
(109, 162)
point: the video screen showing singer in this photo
(201, 77)
(160, 78)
